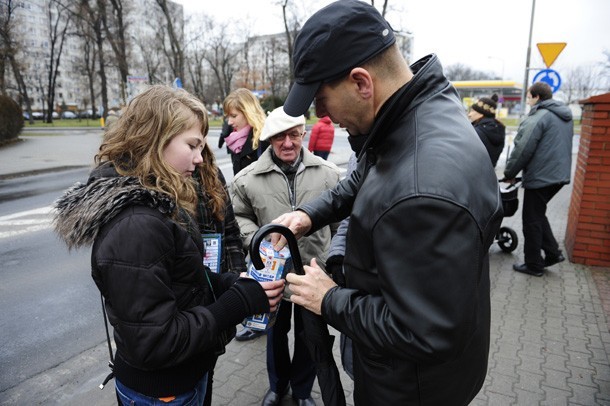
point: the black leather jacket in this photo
(425, 207)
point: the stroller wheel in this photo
(507, 239)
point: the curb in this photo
(34, 172)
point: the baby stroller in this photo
(507, 237)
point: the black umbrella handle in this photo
(292, 245)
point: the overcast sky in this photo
(488, 35)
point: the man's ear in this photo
(363, 80)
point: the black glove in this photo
(334, 266)
(244, 298)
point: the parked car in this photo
(88, 114)
(37, 115)
(68, 115)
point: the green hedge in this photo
(11, 119)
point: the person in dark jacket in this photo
(321, 138)
(246, 116)
(171, 315)
(225, 131)
(543, 151)
(491, 131)
(424, 208)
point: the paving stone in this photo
(508, 349)
(532, 364)
(602, 371)
(556, 379)
(557, 362)
(555, 397)
(500, 399)
(580, 345)
(603, 396)
(582, 395)
(529, 382)
(502, 384)
(578, 359)
(525, 397)
(583, 377)
(553, 347)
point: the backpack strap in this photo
(111, 362)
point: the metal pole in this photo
(527, 62)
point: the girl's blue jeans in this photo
(194, 397)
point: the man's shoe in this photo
(305, 402)
(523, 268)
(550, 261)
(248, 334)
(272, 399)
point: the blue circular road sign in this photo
(550, 77)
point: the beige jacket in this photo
(261, 193)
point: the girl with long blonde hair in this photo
(171, 315)
(246, 116)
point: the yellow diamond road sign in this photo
(550, 51)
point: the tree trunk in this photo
(23, 90)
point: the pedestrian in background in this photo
(321, 138)
(225, 131)
(424, 208)
(171, 315)
(285, 176)
(543, 151)
(246, 117)
(491, 131)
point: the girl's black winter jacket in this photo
(171, 316)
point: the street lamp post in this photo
(527, 62)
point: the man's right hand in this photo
(297, 221)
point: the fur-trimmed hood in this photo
(85, 208)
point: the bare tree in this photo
(89, 55)
(151, 56)
(291, 28)
(8, 53)
(195, 60)
(175, 39)
(91, 13)
(115, 27)
(276, 76)
(59, 20)
(460, 71)
(220, 54)
(585, 81)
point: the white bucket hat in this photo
(278, 121)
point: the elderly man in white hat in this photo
(285, 176)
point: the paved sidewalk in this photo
(549, 336)
(39, 151)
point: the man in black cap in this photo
(424, 207)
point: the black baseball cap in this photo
(334, 40)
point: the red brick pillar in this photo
(588, 229)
